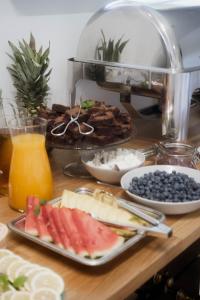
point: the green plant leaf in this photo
(32, 42)
(110, 50)
(4, 282)
(40, 52)
(47, 74)
(103, 35)
(18, 283)
(86, 104)
(118, 43)
(37, 210)
(14, 48)
(43, 202)
(122, 46)
(45, 54)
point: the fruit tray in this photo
(17, 226)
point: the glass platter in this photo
(85, 145)
(76, 168)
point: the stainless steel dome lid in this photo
(161, 36)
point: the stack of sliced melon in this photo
(102, 206)
(72, 229)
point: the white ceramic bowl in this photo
(109, 175)
(170, 208)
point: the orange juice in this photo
(30, 172)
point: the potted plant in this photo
(107, 50)
(110, 50)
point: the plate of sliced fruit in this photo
(21, 279)
(89, 227)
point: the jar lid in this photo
(176, 149)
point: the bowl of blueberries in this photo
(170, 189)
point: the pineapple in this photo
(30, 74)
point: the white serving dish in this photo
(109, 175)
(170, 208)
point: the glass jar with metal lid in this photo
(175, 153)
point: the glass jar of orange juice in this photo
(30, 172)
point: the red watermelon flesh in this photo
(30, 221)
(72, 231)
(46, 209)
(30, 204)
(98, 238)
(60, 229)
(41, 224)
(36, 203)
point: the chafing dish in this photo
(160, 59)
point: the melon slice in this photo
(30, 220)
(98, 238)
(72, 231)
(97, 208)
(46, 209)
(41, 224)
(55, 216)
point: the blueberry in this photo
(163, 186)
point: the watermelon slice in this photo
(30, 221)
(46, 209)
(55, 216)
(98, 238)
(41, 224)
(72, 231)
(30, 204)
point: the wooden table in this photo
(124, 275)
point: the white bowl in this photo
(108, 175)
(170, 208)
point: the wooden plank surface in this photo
(121, 277)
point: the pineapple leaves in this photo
(110, 50)
(45, 55)
(30, 73)
(39, 52)
(32, 42)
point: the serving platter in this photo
(86, 145)
(17, 226)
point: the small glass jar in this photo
(175, 153)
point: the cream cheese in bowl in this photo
(119, 159)
(110, 165)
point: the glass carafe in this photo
(30, 172)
